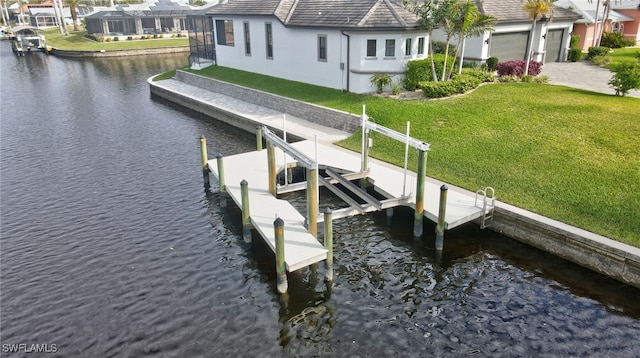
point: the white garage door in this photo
(509, 46)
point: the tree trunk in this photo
(464, 41)
(530, 49)
(595, 25)
(434, 75)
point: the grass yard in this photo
(568, 154)
(77, 42)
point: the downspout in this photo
(348, 57)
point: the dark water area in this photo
(109, 247)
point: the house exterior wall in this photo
(631, 29)
(296, 57)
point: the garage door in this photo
(554, 45)
(509, 46)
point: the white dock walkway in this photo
(302, 248)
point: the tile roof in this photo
(511, 11)
(355, 14)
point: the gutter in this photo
(348, 57)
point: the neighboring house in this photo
(332, 43)
(587, 27)
(159, 17)
(630, 29)
(511, 35)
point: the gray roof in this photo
(511, 11)
(351, 14)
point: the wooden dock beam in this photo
(271, 162)
(441, 213)
(205, 159)
(420, 179)
(221, 185)
(281, 270)
(328, 244)
(259, 138)
(246, 213)
(312, 201)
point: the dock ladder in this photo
(488, 196)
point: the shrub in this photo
(481, 75)
(597, 51)
(380, 79)
(129, 38)
(575, 55)
(160, 36)
(464, 82)
(541, 79)
(491, 63)
(601, 60)
(439, 47)
(142, 37)
(108, 39)
(575, 40)
(626, 77)
(526, 78)
(437, 89)
(116, 38)
(516, 68)
(420, 70)
(615, 40)
(508, 79)
(395, 89)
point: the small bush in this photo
(626, 77)
(597, 51)
(508, 79)
(575, 55)
(601, 60)
(575, 41)
(395, 89)
(439, 47)
(481, 75)
(541, 79)
(142, 37)
(615, 40)
(516, 68)
(526, 78)
(160, 36)
(380, 79)
(148, 37)
(116, 38)
(491, 63)
(108, 39)
(437, 89)
(129, 38)
(463, 83)
(417, 71)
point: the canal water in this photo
(109, 247)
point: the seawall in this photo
(600, 254)
(119, 53)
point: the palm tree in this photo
(73, 5)
(536, 9)
(426, 10)
(471, 23)
(447, 15)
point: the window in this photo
(407, 47)
(420, 45)
(247, 40)
(224, 32)
(390, 48)
(371, 48)
(269, 40)
(322, 48)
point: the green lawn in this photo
(77, 42)
(568, 154)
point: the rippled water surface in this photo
(110, 248)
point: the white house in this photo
(332, 43)
(511, 35)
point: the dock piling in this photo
(328, 243)
(205, 158)
(259, 138)
(271, 162)
(221, 185)
(312, 201)
(281, 271)
(441, 213)
(419, 212)
(246, 214)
